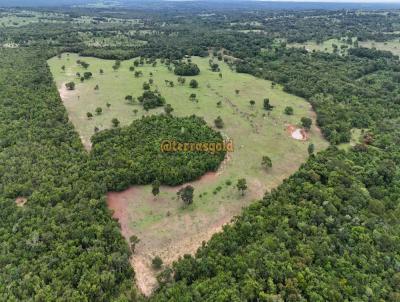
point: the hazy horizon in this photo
(241, 4)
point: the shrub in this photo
(70, 85)
(289, 110)
(157, 262)
(186, 69)
(193, 84)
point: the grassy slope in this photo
(163, 223)
(325, 46)
(393, 45)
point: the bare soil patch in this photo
(297, 133)
(183, 237)
(65, 93)
(21, 201)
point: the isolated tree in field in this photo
(252, 103)
(266, 162)
(151, 81)
(138, 73)
(63, 68)
(289, 110)
(335, 48)
(89, 115)
(242, 185)
(267, 106)
(151, 99)
(181, 80)
(115, 122)
(193, 84)
(116, 65)
(219, 123)
(214, 67)
(84, 64)
(70, 85)
(133, 240)
(108, 105)
(220, 75)
(82, 79)
(135, 111)
(168, 109)
(101, 71)
(99, 110)
(129, 98)
(306, 122)
(155, 188)
(96, 129)
(87, 75)
(186, 69)
(186, 194)
(131, 68)
(78, 74)
(237, 91)
(219, 104)
(136, 63)
(156, 263)
(311, 149)
(96, 87)
(273, 85)
(192, 97)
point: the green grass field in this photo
(325, 46)
(118, 40)
(393, 45)
(356, 138)
(164, 226)
(26, 17)
(15, 20)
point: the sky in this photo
(336, 1)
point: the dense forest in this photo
(329, 233)
(133, 155)
(63, 244)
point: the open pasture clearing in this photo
(164, 226)
(114, 39)
(10, 18)
(392, 46)
(325, 46)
